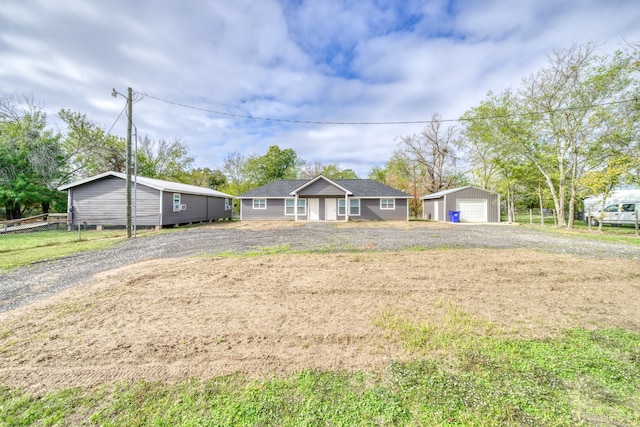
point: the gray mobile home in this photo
(101, 201)
(474, 205)
(324, 199)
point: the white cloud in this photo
(293, 60)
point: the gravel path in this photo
(25, 285)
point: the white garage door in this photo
(472, 210)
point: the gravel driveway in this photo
(25, 285)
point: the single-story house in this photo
(324, 199)
(101, 200)
(474, 205)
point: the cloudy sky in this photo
(288, 60)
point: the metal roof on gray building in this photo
(443, 193)
(158, 184)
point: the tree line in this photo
(35, 160)
(569, 130)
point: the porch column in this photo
(295, 207)
(346, 207)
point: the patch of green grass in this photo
(456, 330)
(625, 232)
(23, 249)
(42, 239)
(590, 377)
(65, 407)
(583, 377)
(19, 257)
(606, 236)
(269, 250)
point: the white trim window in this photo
(354, 207)
(176, 202)
(341, 205)
(259, 203)
(289, 206)
(227, 204)
(387, 204)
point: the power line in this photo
(308, 122)
(413, 122)
(114, 123)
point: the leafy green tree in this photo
(569, 106)
(88, 149)
(564, 119)
(331, 171)
(603, 181)
(205, 177)
(481, 142)
(31, 163)
(404, 173)
(235, 171)
(275, 164)
(163, 159)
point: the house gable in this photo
(320, 186)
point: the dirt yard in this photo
(171, 319)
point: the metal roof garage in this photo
(474, 205)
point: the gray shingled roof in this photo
(358, 188)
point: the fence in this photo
(33, 223)
(548, 218)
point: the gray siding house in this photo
(474, 205)
(101, 201)
(323, 199)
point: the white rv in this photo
(620, 208)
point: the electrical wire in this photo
(413, 122)
(114, 123)
(270, 119)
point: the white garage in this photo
(471, 203)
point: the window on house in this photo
(387, 203)
(227, 204)
(354, 207)
(259, 203)
(289, 207)
(341, 206)
(176, 202)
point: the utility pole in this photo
(128, 162)
(115, 93)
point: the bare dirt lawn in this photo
(171, 319)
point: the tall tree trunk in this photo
(541, 207)
(574, 177)
(561, 191)
(14, 211)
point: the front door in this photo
(314, 209)
(330, 210)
